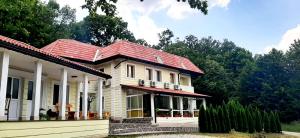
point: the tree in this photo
(209, 120)
(244, 121)
(107, 6)
(258, 121)
(142, 42)
(164, 39)
(214, 120)
(196, 4)
(202, 119)
(278, 124)
(221, 119)
(250, 120)
(273, 124)
(227, 119)
(266, 122)
(34, 22)
(101, 30)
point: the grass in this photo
(219, 135)
(293, 127)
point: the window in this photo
(176, 105)
(158, 75)
(130, 71)
(12, 90)
(185, 103)
(55, 94)
(162, 102)
(8, 89)
(172, 78)
(149, 74)
(30, 90)
(184, 81)
(135, 106)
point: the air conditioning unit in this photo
(152, 83)
(167, 85)
(107, 82)
(176, 87)
(141, 82)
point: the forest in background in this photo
(269, 81)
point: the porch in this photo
(35, 84)
(164, 106)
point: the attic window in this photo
(159, 60)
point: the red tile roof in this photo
(165, 91)
(22, 47)
(82, 51)
(72, 49)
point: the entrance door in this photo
(12, 91)
(147, 105)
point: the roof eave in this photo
(43, 56)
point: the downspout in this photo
(119, 63)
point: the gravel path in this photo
(297, 134)
(175, 136)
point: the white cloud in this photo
(219, 3)
(286, 40)
(138, 14)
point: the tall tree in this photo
(164, 39)
(101, 30)
(106, 6)
(34, 22)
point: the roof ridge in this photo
(151, 48)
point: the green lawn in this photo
(293, 127)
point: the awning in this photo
(164, 91)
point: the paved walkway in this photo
(174, 124)
(176, 136)
(297, 134)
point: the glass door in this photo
(12, 92)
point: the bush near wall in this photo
(234, 116)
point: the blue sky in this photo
(256, 25)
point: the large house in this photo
(145, 82)
(83, 81)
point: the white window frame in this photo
(146, 73)
(142, 108)
(174, 78)
(134, 71)
(20, 86)
(155, 75)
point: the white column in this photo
(191, 106)
(21, 100)
(62, 94)
(3, 82)
(204, 103)
(78, 101)
(85, 97)
(36, 95)
(45, 93)
(152, 107)
(171, 104)
(99, 98)
(181, 105)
